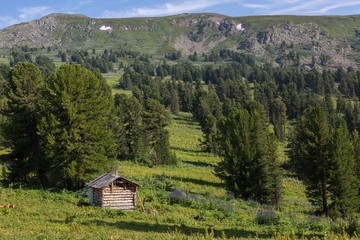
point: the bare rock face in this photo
(42, 32)
(291, 33)
(205, 35)
(307, 37)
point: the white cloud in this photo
(297, 7)
(165, 9)
(265, 7)
(328, 8)
(30, 13)
(7, 21)
(85, 2)
(24, 15)
(255, 6)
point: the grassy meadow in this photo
(184, 201)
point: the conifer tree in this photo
(278, 118)
(356, 144)
(174, 102)
(129, 111)
(343, 179)
(4, 70)
(76, 126)
(207, 109)
(46, 65)
(247, 162)
(274, 171)
(310, 156)
(155, 136)
(20, 130)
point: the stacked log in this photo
(119, 198)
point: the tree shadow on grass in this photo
(167, 228)
(197, 181)
(188, 120)
(186, 150)
(200, 164)
(183, 229)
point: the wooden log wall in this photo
(119, 197)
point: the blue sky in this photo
(16, 11)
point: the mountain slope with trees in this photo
(257, 130)
(327, 41)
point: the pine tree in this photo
(76, 128)
(155, 136)
(4, 70)
(343, 179)
(278, 118)
(174, 102)
(274, 171)
(162, 153)
(310, 156)
(20, 130)
(356, 144)
(46, 65)
(129, 111)
(207, 109)
(247, 162)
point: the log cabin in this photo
(113, 191)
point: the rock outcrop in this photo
(273, 39)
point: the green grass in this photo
(201, 202)
(113, 80)
(184, 201)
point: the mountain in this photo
(328, 41)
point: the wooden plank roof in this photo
(105, 180)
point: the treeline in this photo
(284, 92)
(238, 129)
(102, 63)
(242, 108)
(63, 131)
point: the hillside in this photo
(155, 77)
(184, 202)
(329, 41)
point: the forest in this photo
(68, 116)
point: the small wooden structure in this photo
(113, 191)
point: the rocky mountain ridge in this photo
(327, 41)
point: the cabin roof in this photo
(105, 180)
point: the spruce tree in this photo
(20, 130)
(76, 126)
